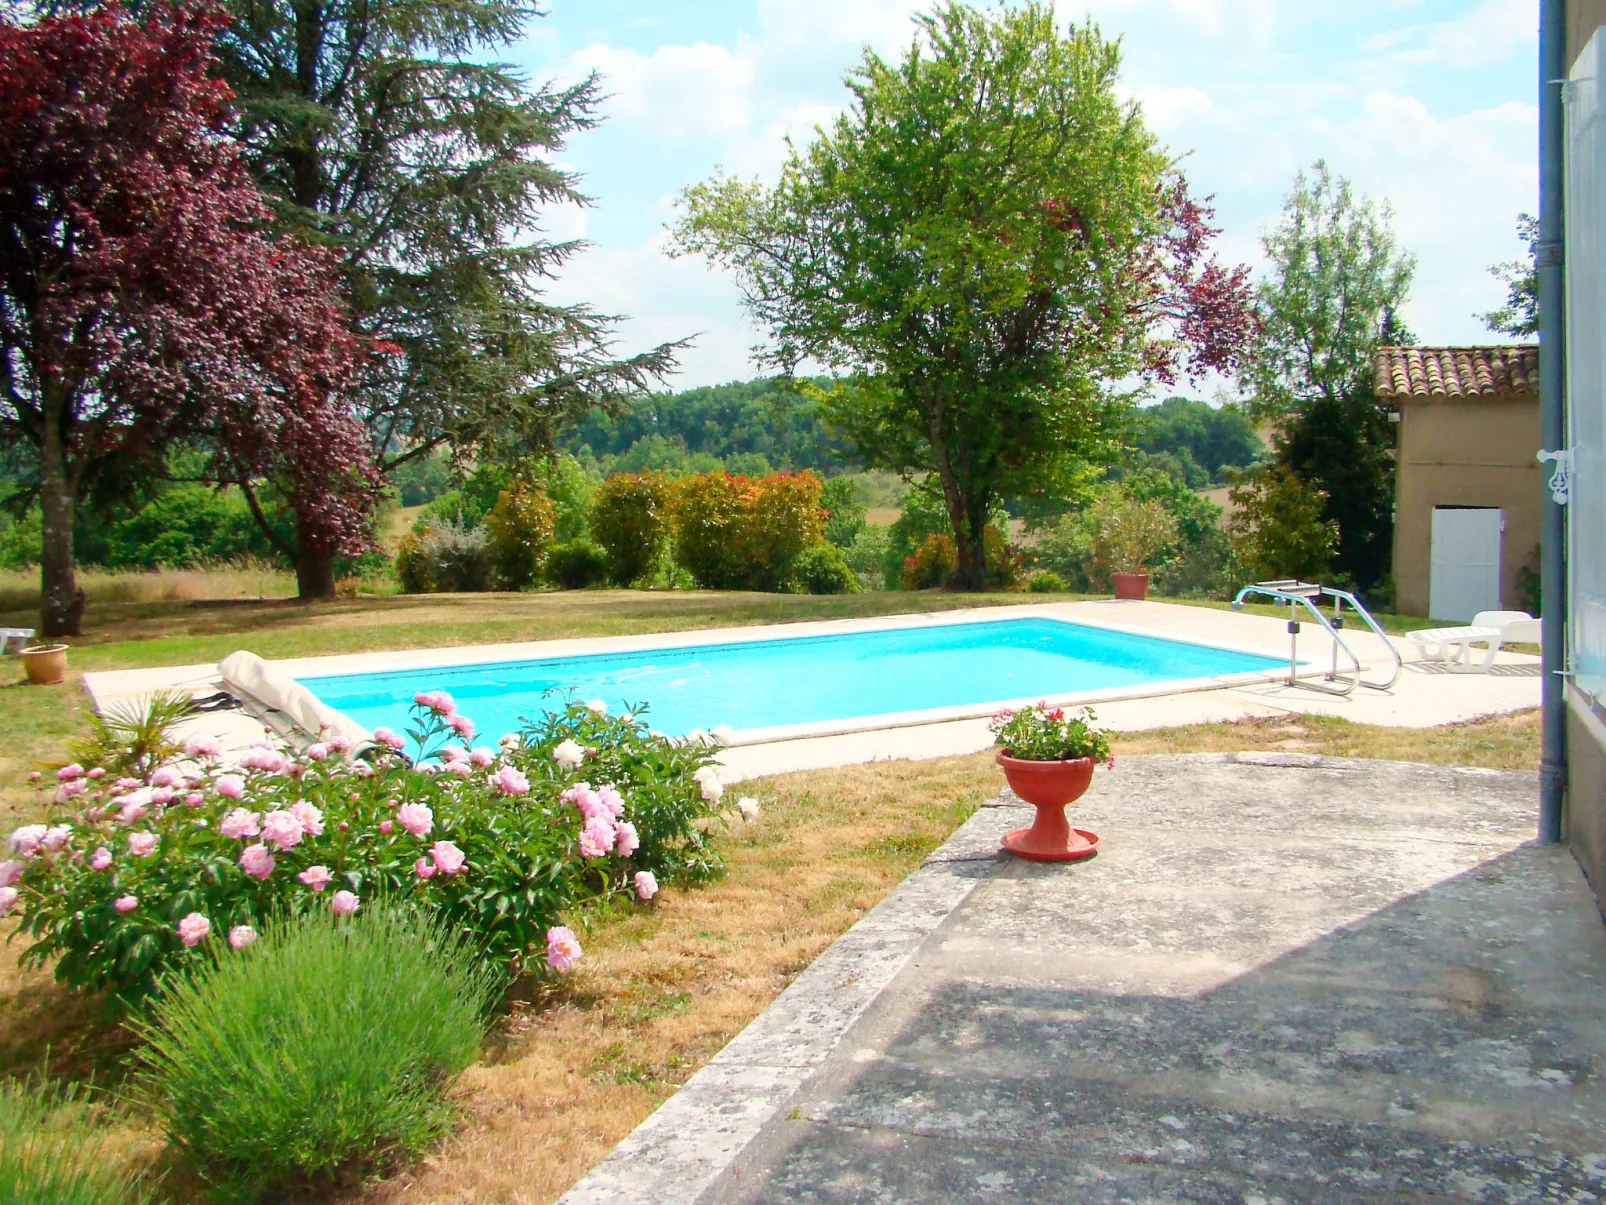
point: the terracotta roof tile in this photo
(1457, 372)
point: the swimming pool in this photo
(814, 683)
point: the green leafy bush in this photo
(734, 533)
(320, 1050)
(445, 558)
(185, 525)
(53, 1151)
(865, 556)
(1045, 733)
(577, 564)
(844, 511)
(823, 570)
(1277, 529)
(130, 881)
(630, 519)
(518, 533)
(1046, 582)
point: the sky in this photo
(1427, 104)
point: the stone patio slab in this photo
(1285, 978)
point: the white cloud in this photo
(1165, 109)
(1490, 33)
(678, 92)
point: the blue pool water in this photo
(799, 679)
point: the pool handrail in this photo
(1297, 593)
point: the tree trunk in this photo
(315, 573)
(59, 612)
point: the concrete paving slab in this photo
(1285, 978)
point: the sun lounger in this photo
(17, 636)
(1453, 646)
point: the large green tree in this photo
(1520, 315)
(378, 130)
(984, 245)
(1337, 280)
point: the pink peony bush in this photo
(132, 881)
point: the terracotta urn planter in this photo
(1134, 586)
(1049, 786)
(46, 663)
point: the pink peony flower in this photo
(193, 928)
(8, 899)
(596, 838)
(34, 776)
(162, 796)
(423, 868)
(509, 781)
(461, 767)
(56, 836)
(256, 861)
(388, 738)
(415, 818)
(462, 725)
(562, 948)
(448, 858)
(269, 760)
(608, 795)
(316, 751)
(437, 701)
(67, 790)
(311, 818)
(195, 799)
(646, 885)
(282, 829)
(385, 826)
(131, 812)
(200, 747)
(166, 776)
(125, 784)
(231, 786)
(450, 753)
(241, 823)
(625, 839)
(316, 877)
(69, 772)
(100, 859)
(25, 840)
(481, 757)
(141, 844)
(95, 772)
(11, 871)
(361, 769)
(241, 936)
(126, 903)
(345, 903)
(338, 744)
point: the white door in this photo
(1465, 576)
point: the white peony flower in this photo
(724, 735)
(708, 779)
(748, 807)
(697, 737)
(569, 755)
(597, 706)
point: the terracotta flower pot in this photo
(1049, 786)
(46, 663)
(1134, 586)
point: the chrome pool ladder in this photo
(1298, 594)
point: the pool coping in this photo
(472, 655)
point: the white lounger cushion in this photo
(247, 674)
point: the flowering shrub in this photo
(132, 880)
(630, 519)
(1044, 733)
(736, 533)
(445, 558)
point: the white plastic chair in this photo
(1453, 646)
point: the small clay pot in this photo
(1049, 786)
(46, 664)
(1133, 586)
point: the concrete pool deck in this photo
(1285, 978)
(1425, 695)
